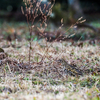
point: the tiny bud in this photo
(80, 18)
(83, 21)
(22, 10)
(32, 26)
(62, 20)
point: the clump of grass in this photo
(35, 10)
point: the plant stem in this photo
(30, 43)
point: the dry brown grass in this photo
(43, 78)
(44, 81)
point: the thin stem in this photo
(30, 42)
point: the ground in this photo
(44, 78)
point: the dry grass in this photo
(44, 81)
(36, 75)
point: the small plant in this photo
(35, 10)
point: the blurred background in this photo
(69, 10)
